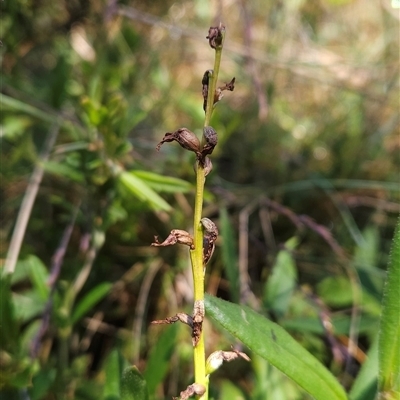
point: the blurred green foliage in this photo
(312, 124)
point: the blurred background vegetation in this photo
(305, 186)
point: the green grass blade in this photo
(92, 298)
(161, 183)
(159, 360)
(282, 280)
(112, 369)
(274, 344)
(365, 385)
(28, 109)
(389, 332)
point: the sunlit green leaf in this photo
(273, 343)
(12, 127)
(28, 109)
(336, 291)
(142, 191)
(28, 304)
(282, 281)
(161, 183)
(39, 276)
(63, 170)
(113, 372)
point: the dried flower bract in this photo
(176, 236)
(216, 359)
(191, 390)
(182, 317)
(209, 238)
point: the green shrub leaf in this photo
(133, 386)
(282, 281)
(274, 344)
(113, 370)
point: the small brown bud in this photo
(211, 139)
(187, 139)
(216, 36)
(204, 82)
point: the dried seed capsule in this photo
(209, 238)
(211, 140)
(210, 136)
(204, 82)
(187, 139)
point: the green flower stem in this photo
(196, 255)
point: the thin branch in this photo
(85, 271)
(304, 220)
(56, 263)
(141, 306)
(27, 203)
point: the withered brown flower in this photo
(216, 36)
(187, 139)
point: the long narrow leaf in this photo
(28, 109)
(159, 360)
(161, 183)
(93, 297)
(389, 333)
(113, 371)
(274, 344)
(365, 385)
(143, 191)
